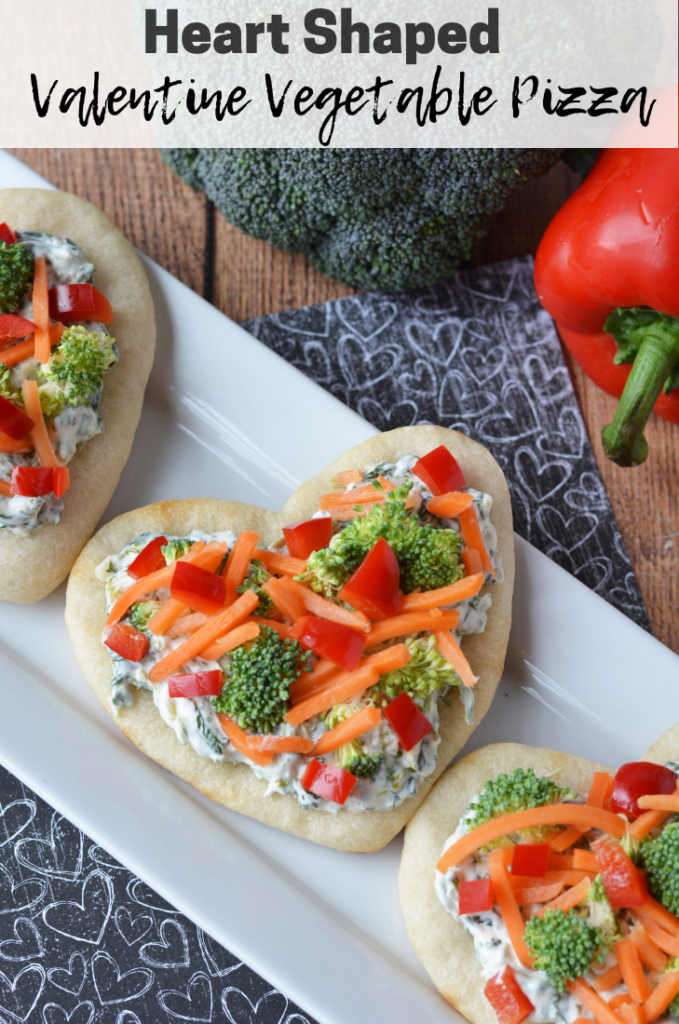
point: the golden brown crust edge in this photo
(235, 786)
(665, 748)
(441, 943)
(31, 567)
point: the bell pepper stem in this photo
(657, 356)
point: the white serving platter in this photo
(324, 927)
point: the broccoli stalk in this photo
(16, 275)
(79, 363)
(6, 389)
(565, 946)
(516, 792)
(673, 1008)
(353, 759)
(660, 858)
(257, 576)
(426, 672)
(599, 913)
(176, 548)
(428, 557)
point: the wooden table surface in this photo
(246, 278)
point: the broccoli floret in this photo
(352, 758)
(565, 946)
(258, 575)
(660, 858)
(177, 548)
(80, 361)
(426, 671)
(599, 913)
(52, 399)
(16, 275)
(377, 219)
(139, 614)
(428, 558)
(6, 389)
(632, 847)
(257, 689)
(515, 792)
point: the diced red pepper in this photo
(308, 536)
(197, 684)
(639, 778)
(128, 642)
(530, 859)
(625, 886)
(148, 560)
(373, 588)
(330, 640)
(71, 302)
(328, 781)
(61, 480)
(440, 471)
(507, 998)
(7, 235)
(32, 481)
(12, 326)
(13, 421)
(407, 721)
(475, 897)
(198, 588)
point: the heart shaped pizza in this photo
(315, 668)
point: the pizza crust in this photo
(665, 748)
(31, 567)
(440, 941)
(235, 785)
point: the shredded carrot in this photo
(26, 348)
(347, 513)
(601, 784)
(275, 562)
(450, 504)
(411, 622)
(154, 581)
(511, 915)
(239, 739)
(323, 670)
(632, 1013)
(207, 558)
(537, 894)
(471, 561)
(652, 912)
(646, 822)
(348, 476)
(280, 628)
(324, 609)
(506, 824)
(594, 1003)
(584, 860)
(622, 999)
(40, 437)
(660, 802)
(663, 939)
(216, 626)
(662, 995)
(5, 489)
(350, 729)
(280, 744)
(186, 624)
(238, 562)
(41, 310)
(287, 603)
(562, 840)
(560, 861)
(471, 532)
(452, 652)
(570, 898)
(566, 877)
(384, 661)
(240, 635)
(632, 970)
(327, 502)
(338, 693)
(468, 586)
(650, 953)
(609, 979)
(11, 447)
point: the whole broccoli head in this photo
(427, 557)
(259, 675)
(564, 945)
(599, 913)
(515, 792)
(660, 858)
(139, 614)
(257, 576)
(426, 672)
(377, 219)
(352, 758)
(79, 362)
(176, 548)
(16, 274)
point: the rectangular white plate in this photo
(580, 677)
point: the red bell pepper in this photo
(197, 684)
(330, 640)
(128, 642)
(328, 780)
(373, 588)
(509, 1001)
(625, 886)
(407, 721)
(148, 560)
(530, 859)
(639, 778)
(12, 326)
(13, 421)
(61, 480)
(7, 235)
(72, 302)
(308, 536)
(440, 471)
(198, 588)
(475, 897)
(607, 270)
(37, 481)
